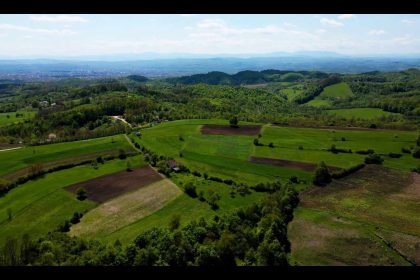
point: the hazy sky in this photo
(75, 35)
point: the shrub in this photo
(205, 175)
(175, 222)
(190, 190)
(417, 169)
(294, 180)
(394, 155)
(233, 122)
(181, 138)
(322, 175)
(64, 227)
(373, 126)
(196, 173)
(228, 181)
(81, 193)
(373, 159)
(121, 154)
(405, 151)
(201, 196)
(416, 153)
(216, 179)
(344, 172)
(343, 139)
(300, 147)
(100, 160)
(271, 145)
(365, 152)
(76, 218)
(213, 198)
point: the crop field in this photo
(16, 117)
(188, 208)
(368, 218)
(40, 205)
(318, 102)
(226, 156)
(126, 209)
(314, 144)
(14, 160)
(362, 113)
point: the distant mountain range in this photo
(171, 65)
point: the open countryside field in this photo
(337, 91)
(14, 160)
(16, 117)
(189, 208)
(40, 205)
(315, 142)
(368, 218)
(362, 113)
(226, 156)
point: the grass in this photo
(189, 208)
(337, 91)
(14, 160)
(359, 220)
(218, 155)
(318, 102)
(362, 113)
(126, 209)
(292, 92)
(39, 206)
(315, 143)
(10, 118)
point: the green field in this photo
(315, 142)
(334, 92)
(189, 208)
(362, 113)
(9, 118)
(292, 92)
(337, 91)
(218, 155)
(368, 218)
(14, 160)
(39, 206)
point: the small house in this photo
(173, 165)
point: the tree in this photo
(129, 165)
(322, 175)
(373, 159)
(190, 190)
(213, 198)
(256, 142)
(175, 222)
(81, 193)
(418, 141)
(271, 145)
(233, 121)
(416, 153)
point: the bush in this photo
(343, 139)
(64, 227)
(100, 160)
(335, 150)
(175, 222)
(190, 190)
(417, 169)
(322, 175)
(300, 147)
(181, 138)
(416, 153)
(216, 179)
(121, 154)
(405, 151)
(365, 152)
(81, 194)
(213, 198)
(205, 175)
(76, 218)
(271, 145)
(394, 155)
(233, 122)
(373, 159)
(228, 181)
(294, 180)
(196, 173)
(344, 172)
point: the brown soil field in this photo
(109, 186)
(289, 163)
(228, 130)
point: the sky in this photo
(44, 36)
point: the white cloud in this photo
(288, 24)
(331, 22)
(211, 23)
(346, 16)
(19, 28)
(408, 21)
(59, 19)
(320, 31)
(377, 32)
(187, 15)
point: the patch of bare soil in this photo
(289, 163)
(109, 186)
(228, 130)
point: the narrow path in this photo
(131, 143)
(121, 119)
(10, 149)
